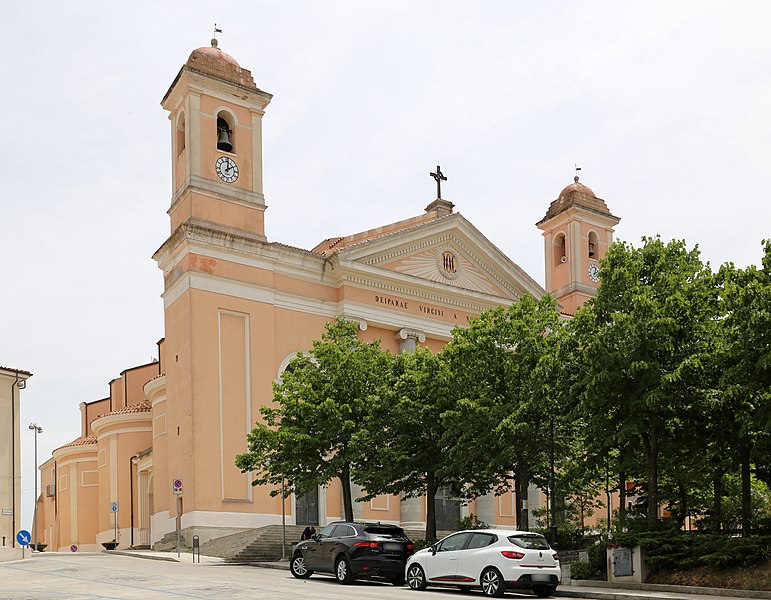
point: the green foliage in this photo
(679, 551)
(316, 431)
(405, 434)
(471, 521)
(642, 343)
(581, 569)
(504, 366)
(421, 543)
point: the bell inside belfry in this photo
(223, 136)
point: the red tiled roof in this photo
(134, 408)
(81, 441)
(20, 371)
(576, 194)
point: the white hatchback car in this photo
(493, 559)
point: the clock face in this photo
(594, 273)
(227, 169)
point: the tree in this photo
(746, 366)
(408, 442)
(645, 339)
(503, 366)
(315, 433)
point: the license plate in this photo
(392, 547)
(540, 577)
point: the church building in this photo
(161, 448)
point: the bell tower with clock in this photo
(216, 112)
(577, 230)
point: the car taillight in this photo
(366, 544)
(512, 554)
(410, 546)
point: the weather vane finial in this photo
(577, 170)
(214, 39)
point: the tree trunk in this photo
(652, 452)
(717, 485)
(521, 481)
(345, 480)
(622, 497)
(683, 506)
(431, 488)
(746, 492)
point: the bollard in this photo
(197, 548)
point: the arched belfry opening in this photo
(593, 246)
(225, 133)
(181, 134)
(560, 250)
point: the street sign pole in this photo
(114, 509)
(176, 488)
(179, 525)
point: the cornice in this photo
(100, 424)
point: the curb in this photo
(138, 555)
(594, 589)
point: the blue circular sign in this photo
(24, 537)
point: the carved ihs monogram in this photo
(445, 266)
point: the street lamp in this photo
(267, 464)
(37, 429)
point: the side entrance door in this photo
(307, 507)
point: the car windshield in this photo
(530, 541)
(394, 532)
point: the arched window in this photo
(226, 137)
(560, 251)
(594, 246)
(181, 134)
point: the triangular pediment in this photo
(449, 251)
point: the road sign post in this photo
(24, 538)
(176, 488)
(114, 511)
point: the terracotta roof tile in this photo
(576, 194)
(134, 408)
(81, 441)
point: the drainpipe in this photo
(21, 384)
(13, 461)
(131, 496)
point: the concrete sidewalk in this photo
(598, 590)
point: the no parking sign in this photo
(177, 487)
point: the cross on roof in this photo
(439, 179)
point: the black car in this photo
(354, 550)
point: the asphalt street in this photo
(102, 576)
(90, 576)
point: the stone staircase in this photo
(262, 544)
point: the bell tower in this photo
(216, 112)
(577, 230)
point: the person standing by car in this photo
(308, 533)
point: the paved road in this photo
(101, 576)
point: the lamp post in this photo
(37, 429)
(553, 492)
(267, 464)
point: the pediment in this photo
(448, 251)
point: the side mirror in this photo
(433, 549)
(315, 537)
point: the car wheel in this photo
(544, 591)
(343, 570)
(397, 580)
(416, 578)
(492, 583)
(298, 567)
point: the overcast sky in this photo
(665, 106)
